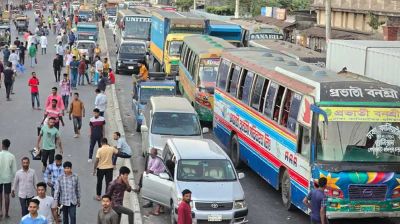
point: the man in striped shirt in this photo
(97, 131)
(53, 171)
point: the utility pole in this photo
(328, 28)
(237, 9)
(194, 5)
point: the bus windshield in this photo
(175, 48)
(208, 75)
(136, 28)
(341, 141)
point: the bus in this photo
(198, 67)
(293, 122)
(133, 24)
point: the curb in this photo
(134, 200)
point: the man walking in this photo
(48, 206)
(9, 76)
(68, 193)
(103, 166)
(32, 50)
(54, 95)
(55, 113)
(184, 210)
(100, 102)
(6, 54)
(25, 181)
(14, 59)
(106, 214)
(22, 49)
(117, 190)
(8, 167)
(124, 150)
(60, 52)
(65, 86)
(77, 110)
(73, 65)
(34, 84)
(49, 136)
(315, 201)
(82, 71)
(33, 217)
(43, 43)
(53, 171)
(57, 64)
(97, 131)
(71, 39)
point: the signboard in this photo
(264, 36)
(280, 14)
(359, 92)
(137, 19)
(157, 87)
(358, 114)
(211, 61)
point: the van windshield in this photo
(177, 124)
(205, 170)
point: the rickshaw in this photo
(22, 24)
(5, 35)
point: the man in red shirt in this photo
(184, 210)
(34, 83)
(54, 112)
(55, 96)
(111, 76)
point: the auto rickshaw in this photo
(5, 35)
(21, 24)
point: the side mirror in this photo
(205, 130)
(144, 128)
(164, 176)
(241, 176)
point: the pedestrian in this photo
(65, 86)
(106, 214)
(14, 59)
(86, 64)
(184, 209)
(97, 51)
(111, 77)
(68, 193)
(55, 113)
(117, 190)
(316, 202)
(17, 42)
(8, 167)
(114, 33)
(143, 72)
(49, 137)
(124, 150)
(54, 95)
(52, 172)
(57, 64)
(43, 43)
(100, 102)
(82, 71)
(22, 49)
(34, 84)
(74, 64)
(68, 58)
(71, 39)
(97, 131)
(32, 50)
(102, 84)
(106, 67)
(75, 52)
(33, 217)
(6, 54)
(103, 166)
(77, 110)
(64, 39)
(60, 52)
(25, 181)
(9, 77)
(103, 21)
(48, 206)
(99, 65)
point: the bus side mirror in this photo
(319, 111)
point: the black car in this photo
(129, 54)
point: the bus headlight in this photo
(240, 204)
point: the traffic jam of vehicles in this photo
(286, 112)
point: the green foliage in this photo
(374, 22)
(220, 10)
(291, 5)
(184, 5)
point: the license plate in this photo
(214, 218)
(130, 67)
(367, 208)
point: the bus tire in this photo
(234, 153)
(286, 191)
(156, 66)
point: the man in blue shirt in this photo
(73, 65)
(33, 217)
(316, 201)
(124, 150)
(53, 171)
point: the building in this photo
(351, 19)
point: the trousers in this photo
(47, 154)
(24, 205)
(35, 96)
(101, 173)
(93, 141)
(69, 214)
(123, 210)
(77, 124)
(8, 89)
(57, 74)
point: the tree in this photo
(184, 5)
(374, 22)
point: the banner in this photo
(358, 114)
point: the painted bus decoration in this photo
(198, 68)
(292, 123)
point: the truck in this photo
(87, 31)
(227, 31)
(167, 32)
(379, 60)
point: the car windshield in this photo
(205, 170)
(358, 142)
(148, 91)
(133, 49)
(83, 45)
(175, 48)
(177, 124)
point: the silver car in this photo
(206, 170)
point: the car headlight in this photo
(240, 204)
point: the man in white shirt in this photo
(14, 59)
(60, 52)
(100, 102)
(48, 206)
(43, 43)
(99, 65)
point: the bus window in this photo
(234, 81)
(304, 142)
(270, 99)
(286, 108)
(186, 56)
(294, 111)
(278, 101)
(259, 90)
(183, 53)
(223, 73)
(245, 86)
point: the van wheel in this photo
(172, 214)
(286, 191)
(234, 153)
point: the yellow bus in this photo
(198, 68)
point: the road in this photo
(264, 202)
